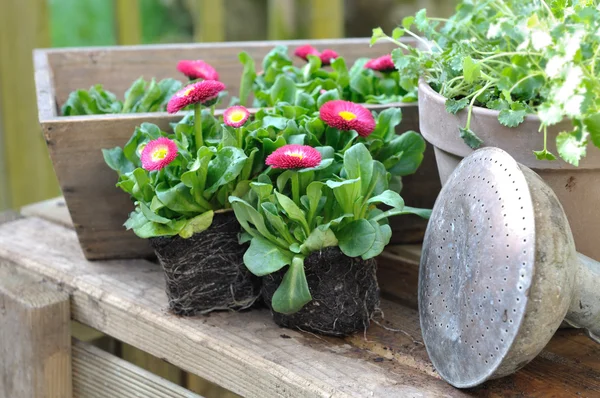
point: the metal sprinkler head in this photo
(499, 271)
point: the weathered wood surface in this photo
(98, 374)
(35, 340)
(248, 354)
(75, 143)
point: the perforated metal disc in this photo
(477, 267)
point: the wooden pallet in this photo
(243, 352)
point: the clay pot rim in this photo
(477, 110)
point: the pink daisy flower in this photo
(327, 56)
(199, 92)
(197, 70)
(346, 115)
(236, 116)
(381, 64)
(294, 156)
(157, 154)
(306, 50)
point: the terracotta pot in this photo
(578, 188)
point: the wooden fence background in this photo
(26, 174)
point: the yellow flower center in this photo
(187, 92)
(237, 116)
(347, 115)
(160, 153)
(298, 155)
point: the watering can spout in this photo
(584, 311)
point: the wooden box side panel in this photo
(117, 67)
(97, 207)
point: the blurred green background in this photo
(26, 173)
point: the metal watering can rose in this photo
(499, 271)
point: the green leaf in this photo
(592, 124)
(383, 234)
(293, 293)
(356, 237)
(197, 224)
(544, 155)
(115, 159)
(313, 65)
(133, 94)
(292, 210)
(407, 22)
(342, 77)
(178, 198)
(362, 84)
(327, 96)
(511, 118)
(284, 90)
(248, 76)
(411, 147)
(304, 100)
(570, 148)
(470, 138)
(453, 106)
(271, 213)
(151, 216)
(262, 190)
(252, 221)
(377, 34)
(358, 163)
(263, 257)
(346, 193)
(389, 198)
(317, 240)
(224, 168)
(387, 121)
(398, 32)
(471, 70)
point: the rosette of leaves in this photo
(517, 57)
(282, 81)
(142, 96)
(180, 199)
(292, 123)
(337, 207)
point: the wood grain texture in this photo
(23, 26)
(97, 207)
(244, 353)
(98, 374)
(35, 341)
(54, 210)
(248, 354)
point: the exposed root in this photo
(344, 290)
(206, 272)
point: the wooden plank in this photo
(54, 210)
(35, 341)
(98, 374)
(128, 22)
(23, 26)
(152, 364)
(281, 19)
(209, 20)
(247, 354)
(327, 19)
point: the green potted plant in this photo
(180, 182)
(314, 230)
(521, 76)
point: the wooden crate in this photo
(98, 209)
(245, 352)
